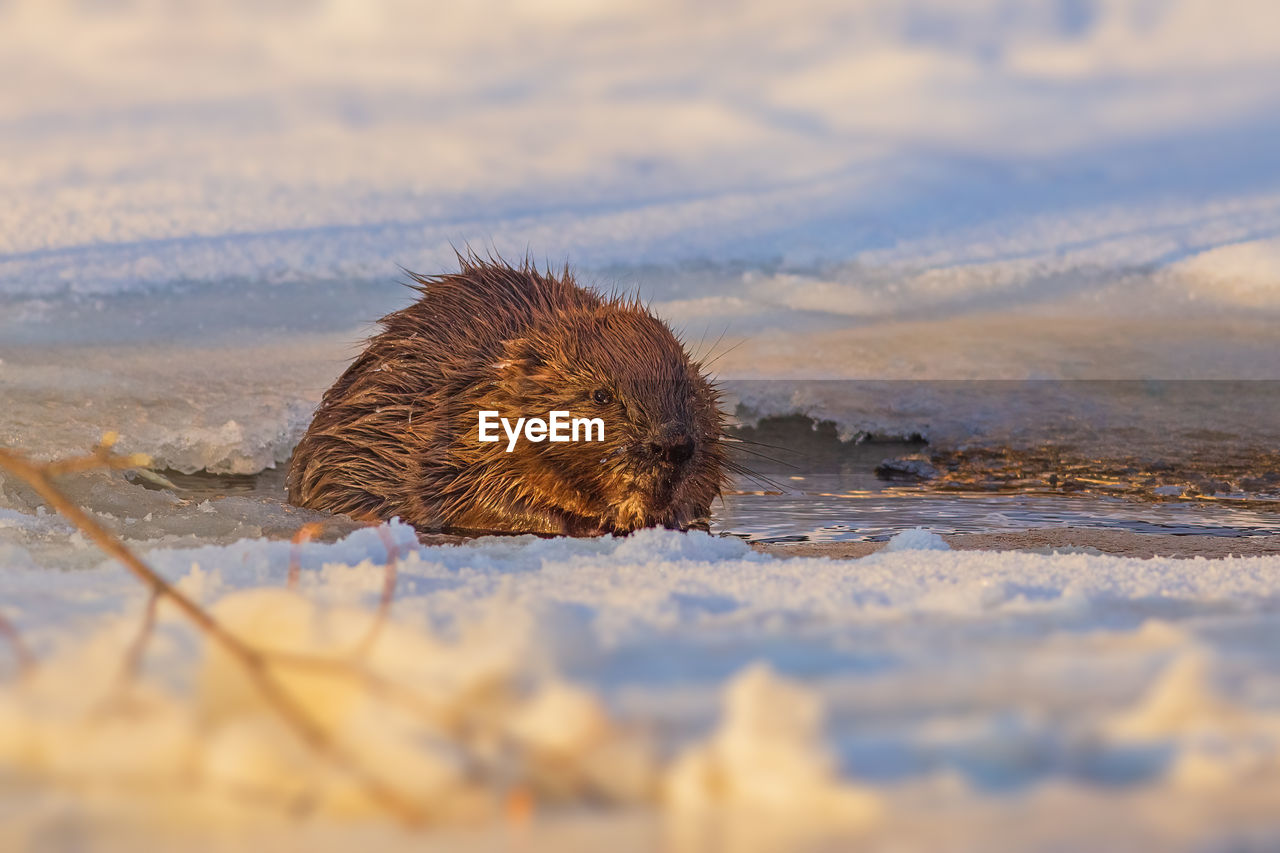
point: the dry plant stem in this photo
(302, 537)
(133, 662)
(26, 660)
(388, 594)
(100, 459)
(254, 662)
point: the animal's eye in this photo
(602, 396)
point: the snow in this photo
(917, 539)
(1245, 273)
(673, 672)
(982, 151)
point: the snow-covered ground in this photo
(206, 204)
(992, 700)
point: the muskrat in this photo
(398, 433)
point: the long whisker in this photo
(757, 478)
(733, 439)
(702, 339)
(757, 454)
(712, 348)
(707, 364)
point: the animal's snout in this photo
(672, 445)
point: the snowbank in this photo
(591, 672)
(914, 153)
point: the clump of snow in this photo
(917, 539)
(1215, 742)
(1245, 274)
(767, 757)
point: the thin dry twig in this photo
(133, 659)
(117, 700)
(254, 662)
(388, 594)
(304, 535)
(99, 458)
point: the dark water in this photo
(815, 513)
(1166, 456)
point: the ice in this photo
(235, 409)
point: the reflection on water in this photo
(821, 516)
(1150, 457)
(1142, 439)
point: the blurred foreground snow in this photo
(938, 684)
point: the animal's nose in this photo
(674, 446)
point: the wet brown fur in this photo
(397, 434)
